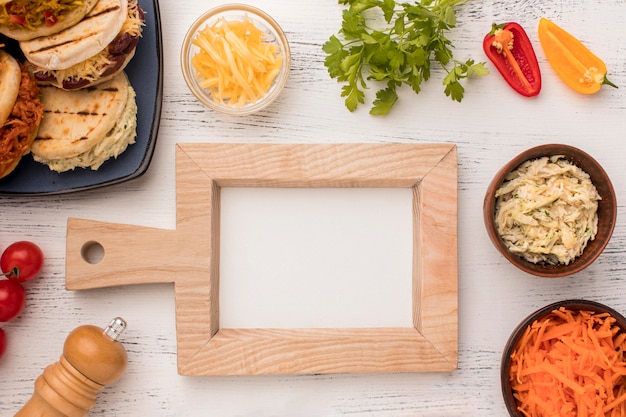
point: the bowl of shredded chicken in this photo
(551, 210)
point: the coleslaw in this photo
(546, 210)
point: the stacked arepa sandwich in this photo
(90, 112)
(21, 112)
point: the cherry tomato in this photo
(12, 299)
(3, 343)
(22, 261)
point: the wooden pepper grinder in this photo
(92, 358)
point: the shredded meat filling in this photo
(15, 134)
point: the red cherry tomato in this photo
(12, 299)
(22, 261)
(3, 343)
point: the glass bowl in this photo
(271, 33)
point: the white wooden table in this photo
(490, 126)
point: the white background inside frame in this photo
(329, 257)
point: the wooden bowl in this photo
(607, 210)
(511, 344)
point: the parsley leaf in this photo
(384, 100)
(400, 54)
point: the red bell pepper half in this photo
(510, 50)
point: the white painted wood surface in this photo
(490, 126)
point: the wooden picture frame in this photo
(189, 258)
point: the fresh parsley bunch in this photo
(401, 53)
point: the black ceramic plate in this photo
(145, 72)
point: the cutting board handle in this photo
(100, 254)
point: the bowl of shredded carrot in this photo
(551, 210)
(566, 359)
(235, 59)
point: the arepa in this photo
(21, 112)
(81, 41)
(83, 128)
(10, 79)
(38, 21)
(104, 65)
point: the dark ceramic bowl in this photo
(511, 344)
(607, 210)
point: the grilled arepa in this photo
(21, 112)
(84, 128)
(80, 41)
(29, 19)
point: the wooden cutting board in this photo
(189, 257)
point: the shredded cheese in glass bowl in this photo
(235, 59)
(546, 210)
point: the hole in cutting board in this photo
(314, 258)
(92, 252)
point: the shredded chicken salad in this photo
(546, 210)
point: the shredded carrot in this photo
(235, 63)
(571, 363)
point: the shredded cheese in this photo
(90, 69)
(133, 25)
(236, 65)
(546, 211)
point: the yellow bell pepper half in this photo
(573, 62)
